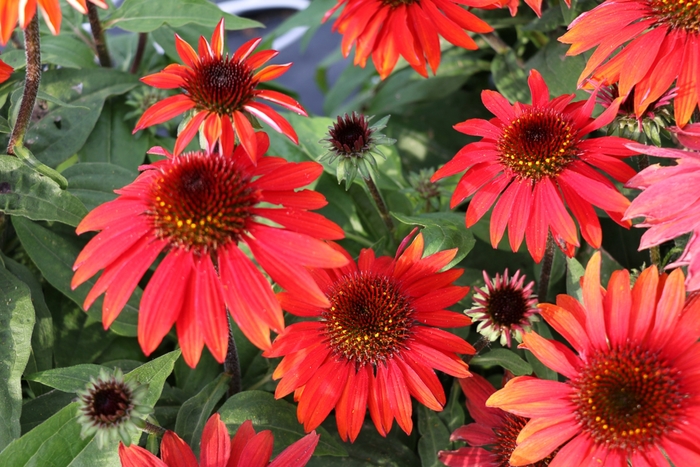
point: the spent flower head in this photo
(354, 141)
(505, 309)
(112, 408)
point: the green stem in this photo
(546, 272)
(232, 364)
(98, 35)
(154, 429)
(381, 206)
(140, 48)
(32, 52)
(500, 47)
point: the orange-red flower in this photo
(245, 449)
(5, 71)
(386, 29)
(663, 46)
(24, 11)
(535, 158)
(221, 91)
(632, 393)
(197, 208)
(493, 429)
(378, 342)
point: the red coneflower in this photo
(505, 309)
(377, 344)
(13, 10)
(493, 429)
(386, 29)
(245, 449)
(5, 71)
(535, 158)
(633, 388)
(664, 46)
(197, 208)
(222, 91)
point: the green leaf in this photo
(69, 379)
(434, 437)
(54, 252)
(16, 325)
(66, 51)
(310, 131)
(574, 273)
(41, 356)
(154, 374)
(62, 131)
(453, 413)
(278, 416)
(94, 182)
(559, 71)
(36, 411)
(147, 15)
(510, 77)
(195, 412)
(349, 80)
(504, 358)
(111, 140)
(442, 231)
(25, 192)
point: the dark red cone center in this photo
(678, 14)
(507, 306)
(350, 135)
(221, 85)
(108, 402)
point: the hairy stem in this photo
(140, 48)
(32, 52)
(154, 429)
(500, 47)
(98, 35)
(479, 345)
(381, 206)
(232, 365)
(545, 274)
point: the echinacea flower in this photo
(492, 428)
(386, 29)
(505, 309)
(632, 389)
(533, 162)
(512, 5)
(354, 142)
(199, 209)
(112, 408)
(245, 449)
(24, 10)
(662, 46)
(378, 342)
(5, 71)
(221, 91)
(670, 201)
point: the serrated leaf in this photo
(25, 192)
(154, 374)
(434, 437)
(69, 379)
(54, 254)
(504, 358)
(279, 416)
(147, 16)
(62, 130)
(442, 231)
(510, 77)
(195, 412)
(16, 325)
(94, 182)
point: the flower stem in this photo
(655, 251)
(98, 35)
(232, 365)
(32, 52)
(140, 48)
(479, 345)
(500, 47)
(546, 272)
(381, 206)
(154, 429)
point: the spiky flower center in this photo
(107, 403)
(629, 397)
(369, 319)
(678, 14)
(221, 85)
(201, 202)
(507, 306)
(350, 135)
(539, 143)
(505, 444)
